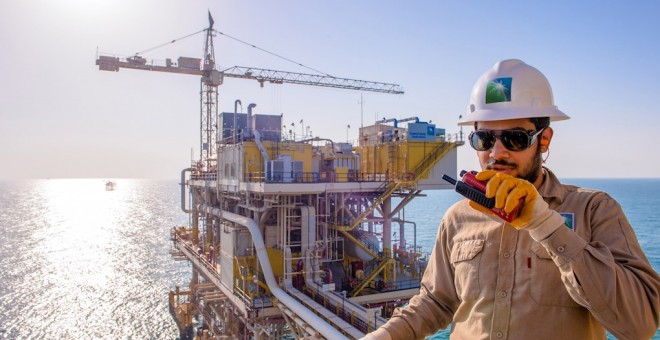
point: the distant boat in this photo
(110, 186)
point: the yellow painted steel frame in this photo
(371, 276)
(421, 169)
(244, 262)
(359, 243)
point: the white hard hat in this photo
(511, 89)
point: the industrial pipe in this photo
(303, 312)
(389, 120)
(316, 139)
(416, 119)
(249, 118)
(183, 189)
(236, 103)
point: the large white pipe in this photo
(308, 233)
(303, 312)
(183, 190)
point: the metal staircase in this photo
(382, 260)
(389, 187)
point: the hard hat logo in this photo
(498, 90)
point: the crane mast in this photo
(209, 100)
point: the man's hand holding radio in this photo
(535, 215)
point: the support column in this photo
(387, 226)
(209, 232)
(402, 236)
(387, 238)
(195, 226)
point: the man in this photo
(568, 267)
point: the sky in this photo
(60, 117)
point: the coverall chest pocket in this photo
(547, 288)
(465, 258)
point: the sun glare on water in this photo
(81, 219)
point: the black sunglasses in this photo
(513, 140)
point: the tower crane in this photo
(212, 77)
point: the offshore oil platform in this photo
(296, 237)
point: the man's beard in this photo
(530, 173)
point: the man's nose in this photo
(498, 151)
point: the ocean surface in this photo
(79, 262)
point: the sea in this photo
(80, 262)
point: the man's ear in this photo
(546, 138)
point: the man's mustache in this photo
(501, 162)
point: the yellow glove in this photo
(508, 191)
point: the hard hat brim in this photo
(487, 115)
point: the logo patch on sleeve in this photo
(570, 220)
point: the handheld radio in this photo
(474, 190)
